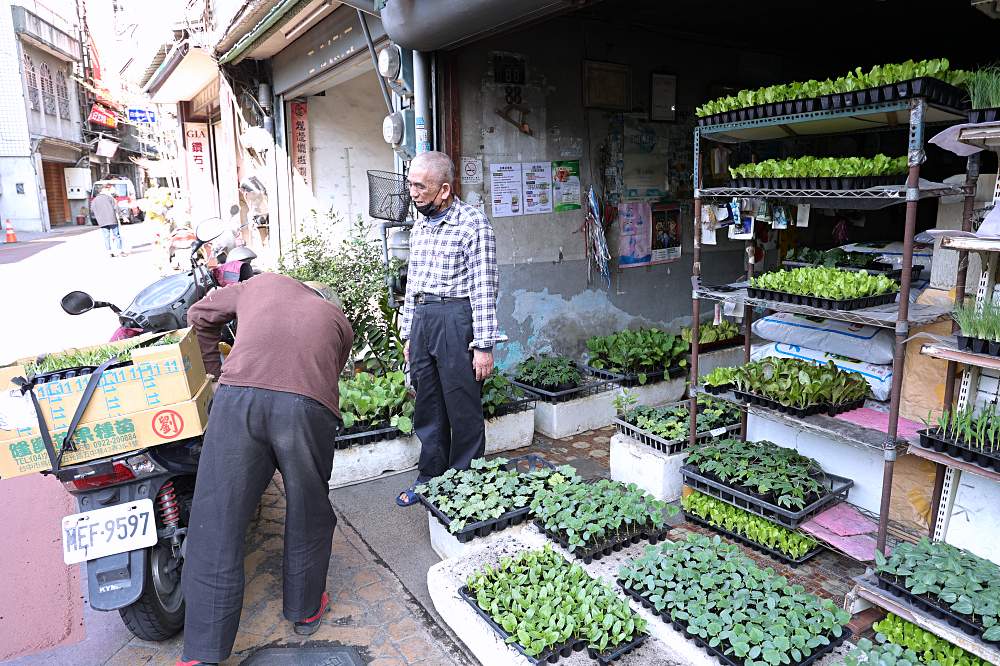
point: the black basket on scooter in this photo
(388, 196)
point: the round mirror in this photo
(209, 230)
(77, 302)
(234, 210)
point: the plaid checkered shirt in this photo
(455, 255)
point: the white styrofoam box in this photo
(835, 455)
(658, 473)
(446, 545)
(658, 393)
(371, 461)
(722, 358)
(565, 419)
(511, 431)
(974, 515)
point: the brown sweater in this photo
(288, 337)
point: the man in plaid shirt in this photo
(449, 320)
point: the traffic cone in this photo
(11, 237)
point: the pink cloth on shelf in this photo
(861, 547)
(867, 417)
(844, 520)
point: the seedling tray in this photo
(933, 90)
(822, 408)
(650, 534)
(484, 528)
(553, 654)
(958, 450)
(839, 487)
(718, 390)
(991, 115)
(718, 652)
(776, 554)
(341, 442)
(819, 183)
(584, 389)
(934, 608)
(514, 406)
(859, 303)
(670, 447)
(735, 341)
(633, 379)
(876, 268)
(70, 373)
(978, 345)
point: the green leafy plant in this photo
(826, 167)
(981, 322)
(984, 87)
(749, 613)
(592, 514)
(549, 373)
(779, 475)
(825, 282)
(498, 392)
(857, 79)
(488, 490)
(542, 601)
(956, 579)
(81, 358)
(369, 402)
(928, 648)
(637, 352)
(793, 382)
(709, 332)
(979, 431)
(883, 654)
(832, 258)
(759, 530)
(673, 423)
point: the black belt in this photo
(421, 299)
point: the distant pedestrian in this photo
(104, 208)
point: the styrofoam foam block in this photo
(371, 461)
(512, 431)
(655, 472)
(446, 545)
(565, 419)
(723, 358)
(976, 513)
(658, 393)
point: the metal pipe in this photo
(371, 52)
(747, 324)
(695, 320)
(422, 100)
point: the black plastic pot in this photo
(979, 346)
(964, 342)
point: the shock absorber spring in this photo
(170, 510)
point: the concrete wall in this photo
(44, 124)
(545, 303)
(23, 208)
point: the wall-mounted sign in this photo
(300, 140)
(142, 116)
(101, 116)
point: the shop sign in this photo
(300, 140)
(196, 146)
(101, 116)
(142, 116)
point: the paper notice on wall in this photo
(536, 179)
(802, 215)
(506, 189)
(566, 185)
(472, 171)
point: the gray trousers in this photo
(448, 414)
(251, 432)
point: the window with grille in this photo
(31, 79)
(48, 92)
(62, 95)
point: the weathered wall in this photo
(41, 123)
(545, 303)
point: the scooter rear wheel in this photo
(159, 613)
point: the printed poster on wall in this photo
(566, 185)
(300, 140)
(666, 242)
(634, 243)
(505, 189)
(536, 178)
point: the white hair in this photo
(439, 164)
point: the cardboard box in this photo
(22, 451)
(157, 376)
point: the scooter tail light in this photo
(121, 473)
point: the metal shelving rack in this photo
(914, 114)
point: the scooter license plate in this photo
(109, 531)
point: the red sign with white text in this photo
(101, 116)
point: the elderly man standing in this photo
(449, 320)
(104, 208)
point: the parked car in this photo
(124, 195)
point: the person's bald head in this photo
(431, 176)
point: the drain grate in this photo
(305, 656)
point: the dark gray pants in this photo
(250, 433)
(448, 415)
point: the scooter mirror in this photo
(234, 210)
(77, 302)
(209, 230)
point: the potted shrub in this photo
(568, 401)
(509, 413)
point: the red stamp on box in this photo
(168, 423)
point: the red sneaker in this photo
(310, 625)
(193, 662)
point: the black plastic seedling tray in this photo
(486, 527)
(819, 183)
(819, 408)
(718, 652)
(631, 380)
(776, 554)
(649, 533)
(365, 437)
(670, 447)
(554, 395)
(978, 345)
(959, 451)
(838, 489)
(939, 611)
(859, 303)
(716, 345)
(876, 268)
(718, 390)
(553, 654)
(990, 115)
(70, 373)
